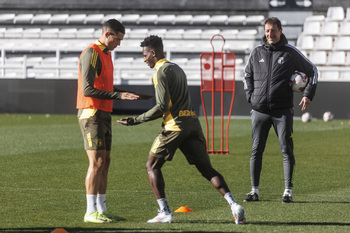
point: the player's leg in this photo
(283, 125)
(261, 124)
(92, 185)
(163, 149)
(195, 149)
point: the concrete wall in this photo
(59, 97)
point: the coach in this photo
(266, 83)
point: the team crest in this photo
(280, 60)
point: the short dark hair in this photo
(153, 42)
(115, 25)
(273, 21)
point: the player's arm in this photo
(306, 66)
(248, 80)
(162, 101)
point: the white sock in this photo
(101, 203)
(255, 189)
(230, 199)
(163, 205)
(288, 190)
(91, 204)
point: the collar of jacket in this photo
(273, 47)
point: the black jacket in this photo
(267, 74)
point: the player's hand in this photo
(129, 96)
(305, 102)
(127, 121)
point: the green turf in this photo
(43, 166)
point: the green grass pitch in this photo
(43, 166)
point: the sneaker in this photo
(97, 218)
(238, 214)
(113, 216)
(287, 198)
(251, 197)
(162, 217)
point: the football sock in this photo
(288, 190)
(163, 205)
(230, 199)
(255, 189)
(101, 203)
(91, 203)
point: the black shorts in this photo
(97, 131)
(191, 142)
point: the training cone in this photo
(59, 230)
(183, 209)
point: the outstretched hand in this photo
(126, 121)
(305, 102)
(129, 96)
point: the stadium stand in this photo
(47, 37)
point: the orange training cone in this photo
(59, 230)
(183, 209)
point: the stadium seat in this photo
(318, 57)
(123, 61)
(165, 19)
(192, 34)
(336, 58)
(236, 19)
(305, 42)
(111, 16)
(347, 59)
(180, 61)
(67, 33)
(139, 33)
(324, 43)
(335, 13)
(13, 33)
(342, 43)
(148, 19)
(31, 32)
(76, 19)
(85, 33)
(345, 75)
(23, 19)
(130, 18)
(175, 34)
(319, 18)
(58, 19)
(345, 28)
(69, 61)
(2, 32)
(161, 32)
(218, 20)
(7, 18)
(94, 19)
(229, 33)
(255, 19)
(209, 33)
(41, 19)
(330, 28)
(348, 14)
(34, 61)
(312, 28)
(247, 34)
(183, 19)
(200, 19)
(49, 33)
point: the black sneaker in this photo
(251, 197)
(287, 198)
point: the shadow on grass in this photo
(94, 230)
(300, 223)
